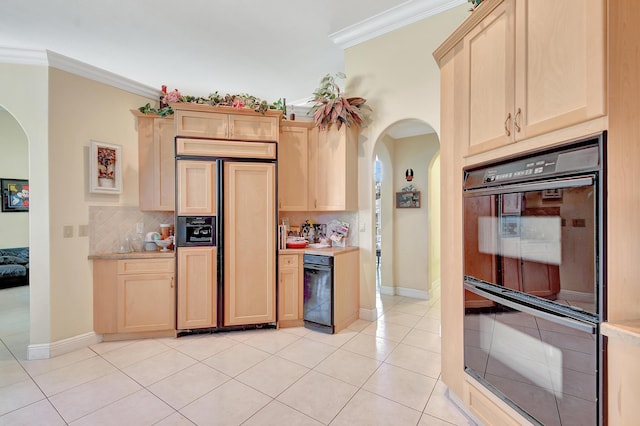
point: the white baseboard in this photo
(368, 314)
(50, 350)
(403, 291)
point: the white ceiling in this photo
(270, 49)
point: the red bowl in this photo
(297, 244)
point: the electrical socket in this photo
(139, 227)
(83, 230)
(67, 231)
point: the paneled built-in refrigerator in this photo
(229, 280)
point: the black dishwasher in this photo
(318, 293)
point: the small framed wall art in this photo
(15, 195)
(105, 168)
(407, 199)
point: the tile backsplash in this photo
(109, 225)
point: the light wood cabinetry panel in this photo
(333, 169)
(289, 288)
(197, 287)
(623, 371)
(208, 123)
(293, 166)
(133, 295)
(225, 148)
(532, 67)
(156, 170)
(146, 302)
(346, 292)
(249, 243)
(196, 183)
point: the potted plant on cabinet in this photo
(333, 107)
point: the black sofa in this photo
(14, 267)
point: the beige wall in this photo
(23, 92)
(82, 110)
(14, 164)
(433, 204)
(411, 226)
(398, 76)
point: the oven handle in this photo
(535, 186)
(565, 321)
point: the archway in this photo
(409, 237)
(14, 228)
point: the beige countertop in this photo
(132, 255)
(329, 251)
(628, 331)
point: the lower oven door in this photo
(542, 363)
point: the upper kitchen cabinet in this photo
(204, 121)
(529, 68)
(293, 170)
(156, 172)
(196, 185)
(333, 169)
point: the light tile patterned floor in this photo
(374, 373)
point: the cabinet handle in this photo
(507, 124)
(172, 282)
(516, 120)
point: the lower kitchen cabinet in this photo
(289, 291)
(197, 282)
(134, 295)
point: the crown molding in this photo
(55, 60)
(23, 56)
(397, 17)
(81, 69)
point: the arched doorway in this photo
(407, 153)
(14, 227)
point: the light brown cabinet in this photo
(289, 290)
(203, 121)
(249, 243)
(333, 170)
(196, 186)
(531, 67)
(134, 295)
(197, 287)
(293, 165)
(156, 172)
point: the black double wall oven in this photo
(534, 280)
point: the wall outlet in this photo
(83, 230)
(67, 231)
(139, 227)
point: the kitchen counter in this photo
(133, 255)
(329, 251)
(629, 331)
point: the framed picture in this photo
(410, 199)
(15, 195)
(105, 168)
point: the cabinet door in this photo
(156, 164)
(202, 124)
(488, 63)
(253, 128)
(249, 243)
(196, 188)
(288, 294)
(197, 287)
(146, 302)
(293, 168)
(333, 169)
(560, 64)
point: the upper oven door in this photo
(538, 238)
